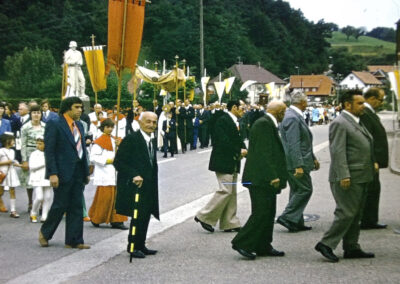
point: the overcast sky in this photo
(357, 13)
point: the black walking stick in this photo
(132, 230)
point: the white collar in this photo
(369, 106)
(146, 136)
(273, 119)
(234, 118)
(356, 119)
(296, 109)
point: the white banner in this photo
(246, 84)
(204, 82)
(228, 84)
(219, 87)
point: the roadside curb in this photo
(394, 157)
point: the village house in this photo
(318, 88)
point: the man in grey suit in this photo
(300, 160)
(352, 169)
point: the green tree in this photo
(32, 73)
(348, 31)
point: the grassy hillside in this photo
(365, 45)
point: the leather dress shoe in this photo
(205, 226)
(304, 228)
(291, 227)
(94, 224)
(373, 226)
(358, 253)
(137, 254)
(272, 252)
(147, 251)
(326, 252)
(232, 230)
(42, 240)
(78, 246)
(119, 225)
(244, 253)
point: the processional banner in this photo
(95, 64)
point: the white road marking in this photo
(166, 161)
(72, 265)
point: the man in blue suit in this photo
(68, 172)
(300, 160)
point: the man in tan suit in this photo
(228, 149)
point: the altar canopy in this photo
(130, 34)
(166, 81)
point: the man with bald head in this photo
(94, 116)
(137, 183)
(265, 175)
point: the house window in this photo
(307, 89)
(314, 89)
(351, 77)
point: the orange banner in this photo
(133, 33)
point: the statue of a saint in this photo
(76, 80)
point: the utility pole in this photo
(201, 40)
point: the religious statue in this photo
(76, 80)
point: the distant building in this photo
(317, 87)
(380, 72)
(360, 80)
(258, 92)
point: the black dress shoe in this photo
(232, 230)
(326, 252)
(137, 254)
(205, 226)
(304, 228)
(272, 252)
(357, 253)
(165, 156)
(373, 226)
(119, 225)
(147, 251)
(95, 225)
(287, 225)
(245, 253)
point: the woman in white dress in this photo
(7, 166)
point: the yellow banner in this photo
(397, 77)
(95, 64)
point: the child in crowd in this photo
(41, 186)
(102, 156)
(7, 166)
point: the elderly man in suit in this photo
(265, 175)
(373, 100)
(352, 169)
(228, 150)
(137, 183)
(300, 159)
(68, 172)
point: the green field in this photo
(365, 45)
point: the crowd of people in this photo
(41, 149)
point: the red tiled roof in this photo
(322, 84)
(384, 68)
(367, 78)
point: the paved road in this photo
(187, 253)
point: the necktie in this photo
(150, 152)
(77, 139)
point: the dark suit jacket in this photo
(297, 141)
(213, 119)
(132, 159)
(172, 128)
(205, 117)
(373, 123)
(180, 118)
(266, 157)
(60, 151)
(227, 145)
(52, 115)
(189, 115)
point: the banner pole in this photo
(94, 67)
(121, 62)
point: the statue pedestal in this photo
(86, 104)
